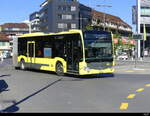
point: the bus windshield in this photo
(98, 45)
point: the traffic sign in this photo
(138, 36)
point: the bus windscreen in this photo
(98, 46)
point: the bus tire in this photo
(22, 65)
(59, 69)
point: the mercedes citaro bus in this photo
(73, 52)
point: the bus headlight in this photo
(86, 68)
(108, 64)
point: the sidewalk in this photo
(132, 66)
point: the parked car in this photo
(6, 55)
(122, 57)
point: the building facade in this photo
(14, 28)
(62, 15)
(9, 31)
(4, 43)
(35, 22)
(141, 17)
(85, 16)
(59, 15)
(110, 23)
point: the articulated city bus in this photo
(72, 52)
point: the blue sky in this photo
(19, 10)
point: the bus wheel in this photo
(22, 65)
(59, 69)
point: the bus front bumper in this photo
(94, 71)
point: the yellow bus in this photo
(73, 52)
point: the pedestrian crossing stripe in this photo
(140, 90)
(129, 71)
(147, 85)
(124, 106)
(131, 96)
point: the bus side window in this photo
(58, 47)
(22, 44)
(39, 53)
(39, 48)
(47, 48)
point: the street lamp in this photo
(108, 6)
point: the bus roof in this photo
(46, 34)
(97, 31)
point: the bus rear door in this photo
(31, 53)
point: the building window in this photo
(74, 17)
(59, 16)
(73, 8)
(62, 26)
(73, 26)
(64, 8)
(59, 8)
(45, 28)
(68, 8)
(67, 17)
(3, 43)
(145, 11)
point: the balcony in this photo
(5, 47)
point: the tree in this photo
(89, 27)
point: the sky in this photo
(16, 11)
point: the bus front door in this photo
(31, 53)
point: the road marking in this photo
(140, 90)
(131, 96)
(147, 85)
(124, 106)
(129, 71)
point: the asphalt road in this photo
(34, 91)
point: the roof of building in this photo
(14, 25)
(4, 37)
(113, 19)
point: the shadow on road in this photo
(75, 77)
(70, 77)
(3, 86)
(5, 75)
(13, 108)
